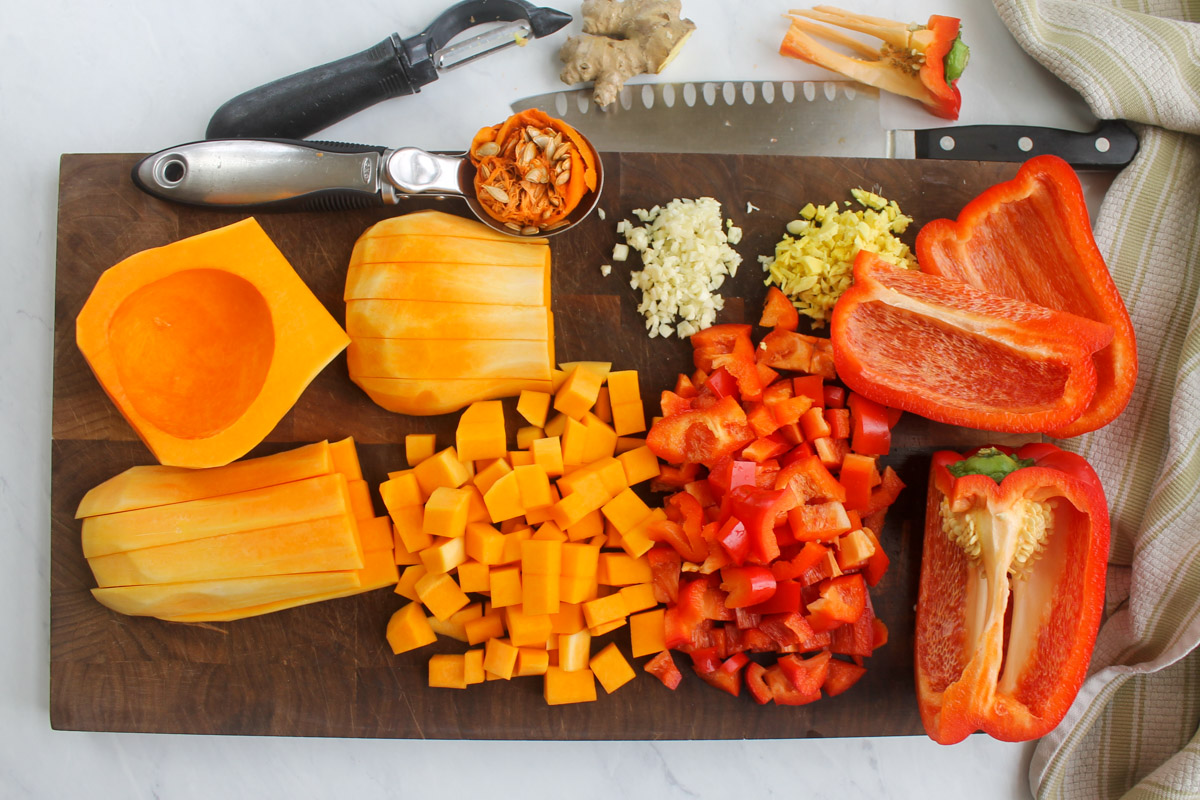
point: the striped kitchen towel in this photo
(1132, 731)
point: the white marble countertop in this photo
(141, 75)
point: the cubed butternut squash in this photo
(408, 629)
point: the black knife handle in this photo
(302, 104)
(1110, 146)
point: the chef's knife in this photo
(812, 118)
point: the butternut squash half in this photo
(206, 343)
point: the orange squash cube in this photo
(604, 609)
(474, 577)
(547, 454)
(494, 471)
(548, 531)
(611, 668)
(600, 630)
(455, 626)
(532, 661)
(499, 658)
(629, 418)
(536, 516)
(600, 441)
(447, 671)
(601, 368)
(640, 464)
(407, 585)
(588, 527)
(647, 632)
(476, 508)
(527, 435)
(637, 542)
(446, 512)
(556, 426)
(418, 447)
(627, 443)
(520, 458)
(506, 586)
(533, 487)
(512, 545)
(626, 511)
(562, 687)
(541, 557)
(481, 629)
(568, 619)
(578, 393)
(574, 443)
(577, 588)
(441, 595)
(574, 649)
(525, 629)
(557, 378)
(540, 593)
(621, 569)
(485, 544)
(534, 407)
(578, 558)
(638, 597)
(441, 469)
(603, 407)
(473, 667)
(408, 629)
(608, 469)
(400, 554)
(401, 491)
(503, 499)
(444, 555)
(410, 527)
(476, 441)
(623, 386)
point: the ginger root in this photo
(623, 38)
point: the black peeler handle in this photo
(302, 104)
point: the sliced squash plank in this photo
(439, 223)
(143, 487)
(378, 572)
(270, 507)
(423, 319)
(449, 283)
(320, 545)
(345, 459)
(376, 534)
(437, 359)
(215, 597)
(425, 398)
(448, 250)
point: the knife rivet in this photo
(1025, 143)
(946, 143)
(1102, 144)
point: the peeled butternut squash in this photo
(444, 311)
(204, 344)
(168, 542)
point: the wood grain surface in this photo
(325, 669)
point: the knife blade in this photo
(810, 118)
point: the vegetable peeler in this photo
(296, 175)
(302, 104)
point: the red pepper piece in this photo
(870, 433)
(878, 563)
(747, 586)
(673, 404)
(720, 384)
(685, 388)
(745, 618)
(758, 510)
(806, 674)
(734, 662)
(788, 630)
(952, 353)
(778, 311)
(808, 479)
(662, 666)
(787, 598)
(705, 659)
(728, 682)
(783, 692)
(782, 349)
(729, 346)
(993, 247)
(700, 437)
(881, 633)
(838, 420)
(672, 533)
(1013, 668)
(856, 476)
(819, 521)
(756, 684)
(761, 419)
(885, 494)
(665, 567)
(757, 641)
(841, 676)
(835, 396)
(733, 538)
(855, 638)
(842, 600)
(765, 448)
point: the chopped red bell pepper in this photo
(808, 479)
(922, 62)
(878, 563)
(856, 638)
(785, 600)
(700, 437)
(949, 352)
(665, 569)
(838, 420)
(814, 425)
(806, 674)
(685, 388)
(733, 538)
(720, 384)
(842, 600)
(885, 494)
(818, 521)
(870, 434)
(856, 476)
(747, 586)
(728, 682)
(841, 676)
(706, 659)
(788, 630)
(673, 404)
(1015, 554)
(783, 692)
(784, 349)
(778, 311)
(728, 346)
(994, 248)
(662, 666)
(835, 396)
(758, 509)
(756, 684)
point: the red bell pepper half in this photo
(954, 354)
(1011, 591)
(1030, 239)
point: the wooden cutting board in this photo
(325, 669)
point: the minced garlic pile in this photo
(814, 264)
(685, 259)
